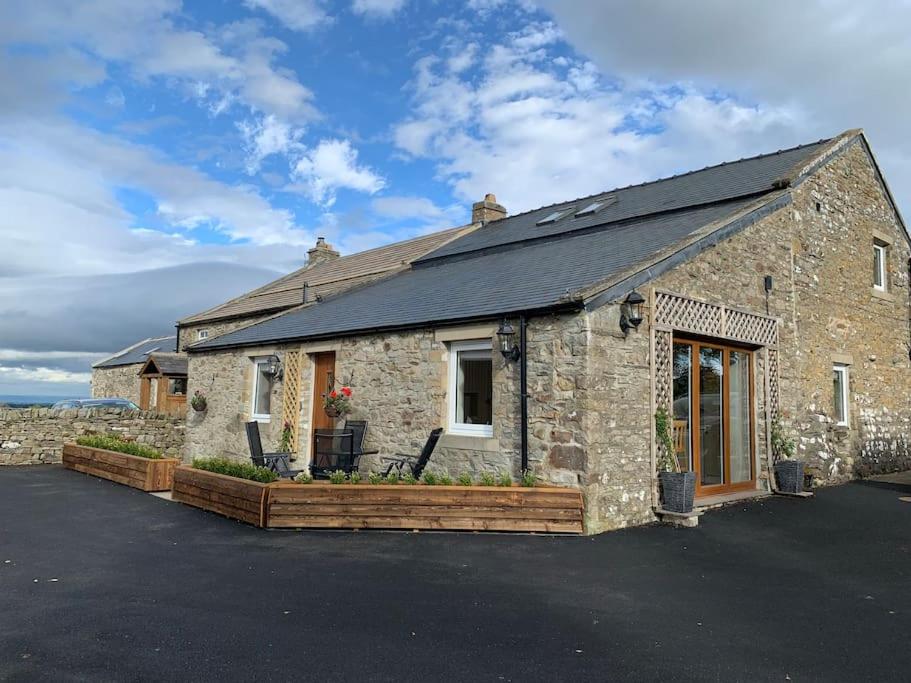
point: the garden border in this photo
(145, 474)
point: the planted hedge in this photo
(239, 470)
(114, 443)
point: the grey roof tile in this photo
(139, 352)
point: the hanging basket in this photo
(678, 490)
(331, 411)
(789, 474)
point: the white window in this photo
(840, 394)
(471, 388)
(262, 390)
(202, 334)
(879, 266)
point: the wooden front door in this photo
(323, 381)
(713, 415)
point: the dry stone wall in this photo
(32, 436)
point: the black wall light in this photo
(274, 368)
(631, 312)
(508, 346)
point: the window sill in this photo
(261, 418)
(469, 442)
(883, 294)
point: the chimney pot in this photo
(487, 210)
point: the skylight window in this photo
(554, 217)
(596, 206)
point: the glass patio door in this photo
(713, 415)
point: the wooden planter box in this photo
(146, 474)
(454, 508)
(229, 496)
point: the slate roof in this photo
(168, 363)
(327, 278)
(138, 353)
(513, 265)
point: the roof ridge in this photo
(676, 175)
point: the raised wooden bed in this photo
(228, 496)
(455, 508)
(147, 474)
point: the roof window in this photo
(596, 206)
(554, 217)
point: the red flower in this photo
(346, 391)
(333, 394)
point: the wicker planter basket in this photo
(678, 489)
(789, 474)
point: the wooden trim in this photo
(145, 474)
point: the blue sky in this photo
(157, 158)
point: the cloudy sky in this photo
(157, 158)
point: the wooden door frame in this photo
(695, 343)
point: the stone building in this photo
(118, 376)
(325, 273)
(773, 289)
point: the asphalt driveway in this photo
(100, 582)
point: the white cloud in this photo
(42, 375)
(266, 137)
(535, 130)
(406, 207)
(298, 15)
(377, 8)
(331, 166)
(833, 64)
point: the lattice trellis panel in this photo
(292, 396)
(681, 313)
(663, 369)
(774, 388)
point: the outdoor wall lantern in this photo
(508, 346)
(631, 312)
(274, 367)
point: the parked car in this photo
(95, 403)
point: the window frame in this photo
(202, 334)
(842, 369)
(461, 428)
(260, 417)
(882, 272)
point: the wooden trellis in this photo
(292, 396)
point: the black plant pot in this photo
(789, 474)
(678, 489)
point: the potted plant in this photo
(678, 489)
(199, 402)
(337, 403)
(788, 470)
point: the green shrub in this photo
(392, 478)
(374, 478)
(241, 470)
(445, 480)
(409, 479)
(504, 479)
(464, 479)
(430, 479)
(487, 479)
(354, 478)
(529, 479)
(304, 478)
(113, 443)
(337, 477)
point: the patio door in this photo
(323, 381)
(713, 415)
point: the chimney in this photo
(321, 252)
(487, 210)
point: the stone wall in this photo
(33, 436)
(117, 382)
(188, 335)
(400, 386)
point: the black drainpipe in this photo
(523, 388)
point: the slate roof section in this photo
(170, 364)
(327, 278)
(727, 181)
(512, 265)
(139, 352)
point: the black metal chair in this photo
(277, 462)
(339, 449)
(417, 468)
